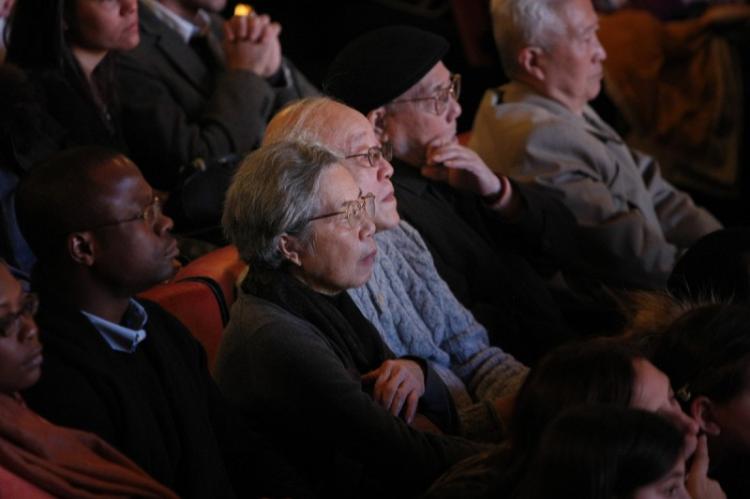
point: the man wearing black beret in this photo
(484, 231)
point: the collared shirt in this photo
(123, 337)
(185, 29)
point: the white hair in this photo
(521, 23)
(300, 121)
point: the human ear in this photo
(530, 59)
(376, 117)
(291, 249)
(703, 411)
(81, 248)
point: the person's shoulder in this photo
(256, 320)
(152, 33)
(514, 106)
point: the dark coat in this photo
(167, 428)
(487, 262)
(177, 108)
(315, 404)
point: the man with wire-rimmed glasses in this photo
(474, 222)
(116, 365)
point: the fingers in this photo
(699, 467)
(386, 386)
(258, 25)
(270, 32)
(239, 26)
(396, 388)
(412, 402)
(228, 32)
(698, 483)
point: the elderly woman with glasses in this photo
(298, 347)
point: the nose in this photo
(163, 224)
(385, 170)
(29, 330)
(454, 110)
(599, 51)
(368, 227)
(128, 6)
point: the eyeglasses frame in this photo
(453, 90)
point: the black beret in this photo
(380, 65)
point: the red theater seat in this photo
(201, 294)
(196, 305)
(223, 266)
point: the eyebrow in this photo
(354, 139)
(5, 303)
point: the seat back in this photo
(197, 306)
(201, 294)
(223, 266)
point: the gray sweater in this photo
(417, 314)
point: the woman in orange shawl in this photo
(37, 458)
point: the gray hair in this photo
(521, 23)
(299, 122)
(275, 191)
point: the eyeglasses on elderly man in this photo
(441, 98)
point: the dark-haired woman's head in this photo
(605, 452)
(706, 354)
(48, 34)
(602, 371)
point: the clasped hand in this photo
(252, 44)
(398, 384)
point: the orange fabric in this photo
(195, 306)
(67, 462)
(679, 90)
(13, 486)
(222, 265)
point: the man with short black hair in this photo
(119, 367)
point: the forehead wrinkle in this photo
(353, 140)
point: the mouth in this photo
(369, 259)
(34, 360)
(132, 27)
(388, 198)
(173, 251)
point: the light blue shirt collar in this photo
(123, 337)
(185, 29)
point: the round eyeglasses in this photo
(442, 96)
(10, 325)
(354, 211)
(375, 154)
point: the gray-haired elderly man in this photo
(540, 129)
(407, 301)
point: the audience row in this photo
(409, 309)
